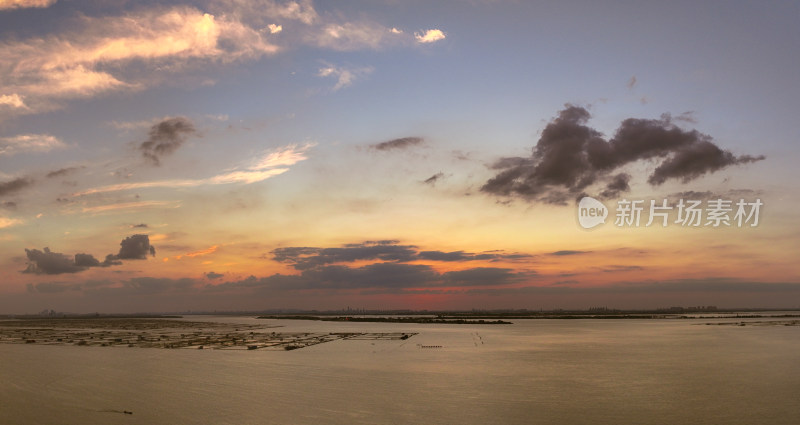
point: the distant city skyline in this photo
(234, 155)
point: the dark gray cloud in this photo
(706, 195)
(62, 172)
(383, 275)
(15, 185)
(616, 268)
(393, 276)
(133, 286)
(402, 143)
(166, 137)
(8, 205)
(695, 195)
(135, 247)
(618, 184)
(392, 269)
(687, 116)
(329, 268)
(53, 287)
(711, 285)
(380, 277)
(468, 256)
(452, 256)
(571, 156)
(152, 285)
(484, 276)
(302, 258)
(48, 262)
(695, 160)
(434, 178)
(568, 252)
(139, 226)
(86, 260)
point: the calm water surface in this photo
(531, 372)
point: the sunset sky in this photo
(236, 155)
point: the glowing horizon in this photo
(232, 156)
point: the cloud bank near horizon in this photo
(135, 247)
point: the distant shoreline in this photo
(492, 319)
(393, 319)
(424, 316)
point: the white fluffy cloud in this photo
(429, 36)
(13, 100)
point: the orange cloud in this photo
(202, 252)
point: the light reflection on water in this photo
(531, 372)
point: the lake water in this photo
(532, 372)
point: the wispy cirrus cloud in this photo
(130, 206)
(345, 76)
(25, 143)
(90, 59)
(260, 13)
(347, 36)
(9, 222)
(137, 49)
(61, 172)
(210, 250)
(358, 35)
(25, 4)
(14, 185)
(268, 165)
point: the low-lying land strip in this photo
(390, 319)
(166, 333)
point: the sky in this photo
(229, 155)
